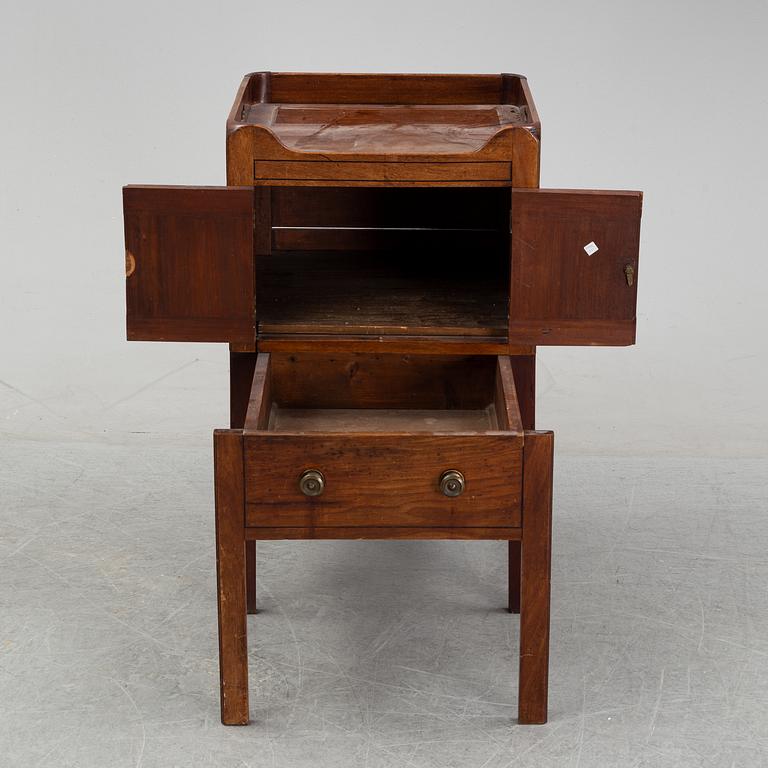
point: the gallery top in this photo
(384, 114)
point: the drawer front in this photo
(383, 480)
(330, 170)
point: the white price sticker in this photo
(591, 247)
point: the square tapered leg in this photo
(513, 558)
(230, 571)
(536, 554)
(250, 576)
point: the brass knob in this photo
(452, 482)
(312, 482)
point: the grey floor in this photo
(378, 653)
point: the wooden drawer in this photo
(382, 430)
(273, 171)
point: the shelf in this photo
(376, 293)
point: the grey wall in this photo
(667, 98)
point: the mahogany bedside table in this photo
(383, 266)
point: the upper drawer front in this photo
(383, 479)
(271, 171)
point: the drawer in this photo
(352, 171)
(376, 436)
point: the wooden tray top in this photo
(370, 114)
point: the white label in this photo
(591, 247)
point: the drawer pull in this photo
(312, 482)
(452, 483)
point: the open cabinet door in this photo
(574, 266)
(189, 263)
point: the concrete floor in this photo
(378, 653)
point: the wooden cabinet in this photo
(476, 266)
(383, 265)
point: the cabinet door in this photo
(189, 263)
(574, 266)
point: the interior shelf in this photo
(375, 292)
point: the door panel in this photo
(574, 266)
(189, 263)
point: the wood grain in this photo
(375, 224)
(382, 477)
(260, 396)
(523, 365)
(363, 88)
(535, 576)
(230, 570)
(507, 408)
(385, 420)
(241, 369)
(360, 532)
(409, 292)
(400, 345)
(559, 293)
(464, 181)
(192, 254)
(388, 137)
(376, 479)
(328, 170)
(583, 333)
(524, 371)
(364, 380)
(375, 114)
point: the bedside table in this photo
(383, 266)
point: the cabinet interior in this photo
(370, 261)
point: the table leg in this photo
(514, 577)
(230, 571)
(535, 577)
(250, 575)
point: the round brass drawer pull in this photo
(452, 482)
(312, 482)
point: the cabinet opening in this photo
(369, 261)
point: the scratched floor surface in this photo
(376, 653)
